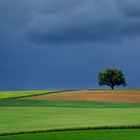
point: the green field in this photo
(73, 104)
(20, 119)
(80, 135)
(20, 116)
(15, 94)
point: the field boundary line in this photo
(51, 92)
(72, 129)
(24, 96)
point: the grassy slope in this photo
(74, 104)
(80, 135)
(15, 119)
(13, 94)
(24, 115)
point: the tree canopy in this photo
(111, 77)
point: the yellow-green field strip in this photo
(18, 94)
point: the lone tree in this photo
(111, 77)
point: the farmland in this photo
(24, 115)
(14, 94)
(47, 118)
(90, 95)
(80, 135)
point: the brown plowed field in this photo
(102, 96)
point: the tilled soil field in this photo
(87, 95)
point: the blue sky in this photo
(59, 44)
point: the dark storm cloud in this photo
(61, 21)
(14, 16)
(83, 21)
(96, 34)
(130, 8)
(13, 12)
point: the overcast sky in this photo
(63, 44)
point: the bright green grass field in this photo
(66, 104)
(18, 115)
(133, 134)
(11, 94)
(19, 119)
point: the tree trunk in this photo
(112, 87)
